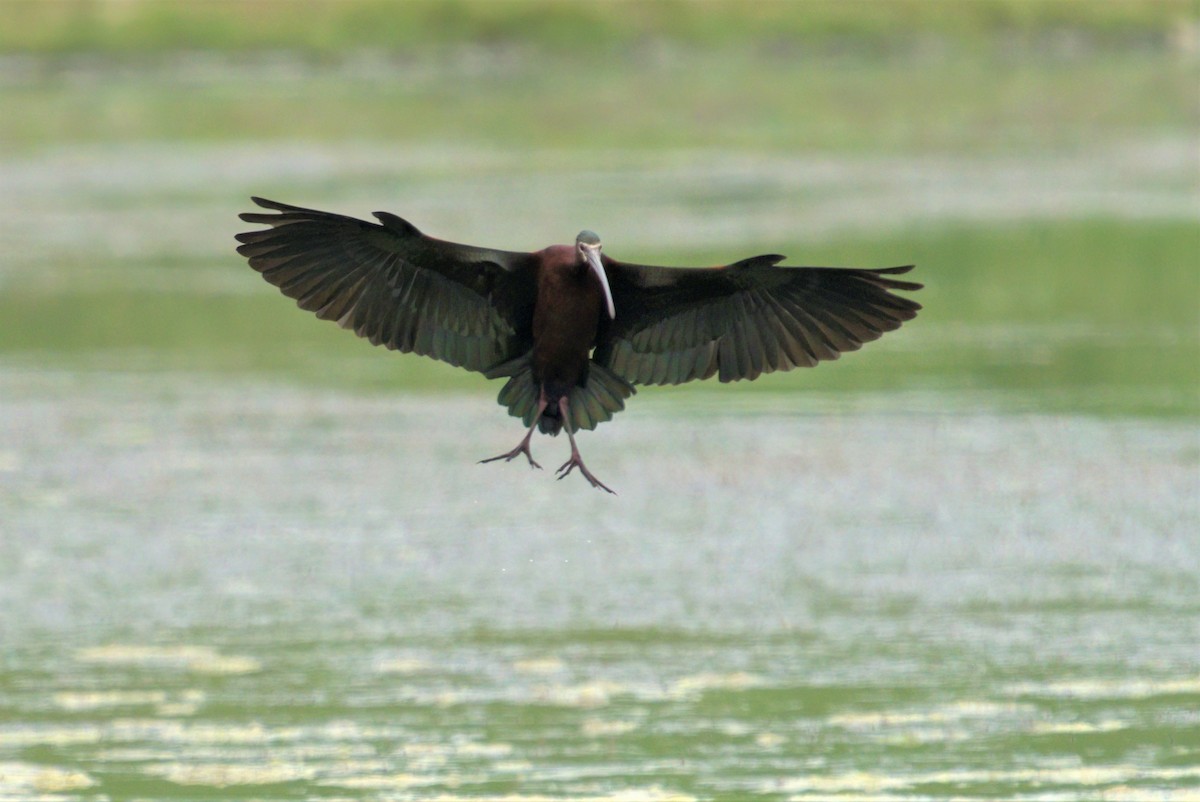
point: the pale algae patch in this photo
(382, 780)
(694, 685)
(1110, 689)
(961, 721)
(404, 665)
(770, 740)
(93, 700)
(586, 695)
(606, 728)
(17, 738)
(224, 775)
(601, 692)
(1077, 727)
(540, 666)
(194, 659)
(652, 794)
(182, 703)
(942, 714)
(28, 781)
(873, 786)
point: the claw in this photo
(576, 462)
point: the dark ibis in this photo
(573, 330)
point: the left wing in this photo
(674, 325)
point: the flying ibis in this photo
(572, 330)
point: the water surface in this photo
(239, 590)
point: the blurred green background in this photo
(240, 557)
(1038, 160)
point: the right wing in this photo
(389, 283)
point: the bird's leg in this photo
(576, 461)
(523, 446)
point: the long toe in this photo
(509, 456)
(595, 482)
(570, 464)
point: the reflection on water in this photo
(237, 590)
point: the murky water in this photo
(212, 589)
(142, 201)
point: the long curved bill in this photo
(593, 258)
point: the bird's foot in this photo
(577, 462)
(509, 456)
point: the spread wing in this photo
(388, 282)
(678, 324)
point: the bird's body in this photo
(571, 329)
(566, 317)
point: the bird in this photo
(573, 331)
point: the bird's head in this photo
(587, 250)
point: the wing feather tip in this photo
(396, 223)
(267, 203)
(258, 217)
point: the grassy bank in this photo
(743, 100)
(323, 27)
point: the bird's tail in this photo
(601, 397)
